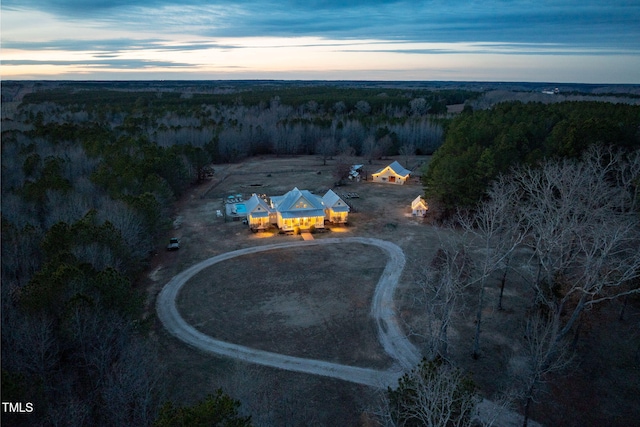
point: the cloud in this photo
(488, 48)
(87, 7)
(113, 46)
(579, 22)
(290, 36)
(111, 64)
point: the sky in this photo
(556, 41)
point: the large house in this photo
(296, 209)
(395, 173)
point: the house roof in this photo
(333, 201)
(396, 168)
(257, 207)
(355, 170)
(297, 203)
(302, 214)
(259, 214)
(418, 201)
(344, 208)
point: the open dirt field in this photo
(314, 302)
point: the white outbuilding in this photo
(395, 173)
(419, 206)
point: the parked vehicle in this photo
(174, 244)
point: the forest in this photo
(89, 178)
(484, 144)
(91, 173)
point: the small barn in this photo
(355, 173)
(336, 210)
(258, 213)
(298, 209)
(395, 173)
(419, 206)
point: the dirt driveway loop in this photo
(390, 335)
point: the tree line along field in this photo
(91, 173)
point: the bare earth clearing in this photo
(315, 303)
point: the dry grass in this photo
(305, 302)
(300, 301)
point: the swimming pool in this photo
(241, 208)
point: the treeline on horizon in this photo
(89, 179)
(254, 95)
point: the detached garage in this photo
(395, 173)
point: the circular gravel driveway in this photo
(390, 335)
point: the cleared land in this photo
(308, 314)
(312, 302)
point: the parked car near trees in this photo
(174, 244)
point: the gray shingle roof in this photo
(397, 168)
(333, 201)
(299, 203)
(257, 207)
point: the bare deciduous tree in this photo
(584, 233)
(421, 132)
(363, 107)
(497, 231)
(327, 148)
(543, 353)
(21, 253)
(133, 389)
(407, 150)
(419, 106)
(434, 394)
(30, 344)
(442, 284)
(384, 145)
(342, 168)
(129, 223)
(371, 148)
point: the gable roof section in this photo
(396, 168)
(355, 170)
(256, 207)
(417, 202)
(299, 203)
(333, 201)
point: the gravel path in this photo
(390, 335)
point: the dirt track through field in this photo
(390, 335)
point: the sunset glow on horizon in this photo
(386, 40)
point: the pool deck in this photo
(233, 211)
